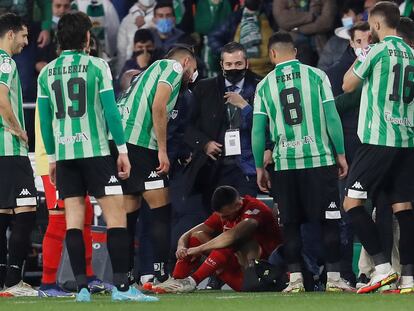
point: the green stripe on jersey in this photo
(386, 116)
(73, 82)
(11, 145)
(136, 103)
(292, 97)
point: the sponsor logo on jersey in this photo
(113, 180)
(25, 192)
(77, 138)
(306, 140)
(332, 205)
(398, 121)
(252, 212)
(153, 174)
(357, 185)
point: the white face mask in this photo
(147, 3)
(194, 77)
(347, 22)
(55, 19)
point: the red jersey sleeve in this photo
(214, 222)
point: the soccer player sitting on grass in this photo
(247, 230)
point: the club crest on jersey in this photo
(6, 66)
(173, 114)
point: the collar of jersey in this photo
(67, 52)
(3, 51)
(287, 62)
(387, 38)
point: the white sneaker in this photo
(161, 287)
(338, 286)
(379, 280)
(21, 289)
(295, 287)
(186, 285)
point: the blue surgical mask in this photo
(165, 25)
(347, 22)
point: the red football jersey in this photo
(267, 233)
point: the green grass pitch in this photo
(225, 301)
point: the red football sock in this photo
(52, 247)
(232, 277)
(184, 267)
(87, 237)
(217, 260)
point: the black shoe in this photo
(214, 283)
(362, 280)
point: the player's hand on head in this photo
(124, 166)
(342, 166)
(52, 173)
(164, 166)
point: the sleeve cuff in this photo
(122, 149)
(51, 158)
(357, 74)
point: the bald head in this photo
(281, 47)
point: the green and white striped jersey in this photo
(293, 96)
(73, 83)
(11, 145)
(386, 115)
(136, 103)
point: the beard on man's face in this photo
(374, 36)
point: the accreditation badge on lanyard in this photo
(232, 145)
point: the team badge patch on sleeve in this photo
(177, 67)
(6, 66)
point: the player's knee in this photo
(350, 203)
(399, 207)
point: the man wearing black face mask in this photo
(144, 53)
(220, 128)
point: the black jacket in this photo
(208, 118)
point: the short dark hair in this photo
(389, 11)
(164, 4)
(181, 48)
(223, 196)
(280, 37)
(359, 26)
(357, 6)
(406, 29)
(232, 47)
(72, 29)
(143, 35)
(10, 21)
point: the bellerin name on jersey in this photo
(67, 70)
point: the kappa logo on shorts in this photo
(25, 192)
(113, 180)
(357, 185)
(332, 205)
(153, 174)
